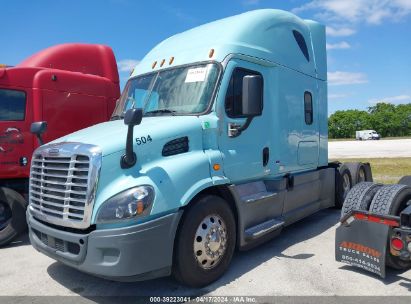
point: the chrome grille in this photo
(63, 181)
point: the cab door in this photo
(243, 141)
(16, 142)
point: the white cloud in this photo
(344, 78)
(127, 65)
(338, 46)
(393, 99)
(340, 31)
(357, 11)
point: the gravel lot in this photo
(369, 149)
(298, 262)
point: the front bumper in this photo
(134, 253)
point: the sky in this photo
(368, 41)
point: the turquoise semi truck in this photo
(218, 142)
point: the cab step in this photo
(262, 229)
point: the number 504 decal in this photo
(143, 140)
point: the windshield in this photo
(12, 105)
(176, 91)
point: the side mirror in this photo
(252, 95)
(132, 118)
(38, 128)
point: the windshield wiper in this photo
(167, 111)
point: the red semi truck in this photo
(70, 87)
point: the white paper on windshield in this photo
(196, 75)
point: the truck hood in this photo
(111, 136)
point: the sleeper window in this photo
(308, 108)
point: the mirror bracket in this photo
(235, 130)
(132, 118)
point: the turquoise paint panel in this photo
(265, 34)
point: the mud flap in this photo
(362, 244)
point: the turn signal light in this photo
(140, 207)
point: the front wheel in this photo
(205, 242)
(12, 215)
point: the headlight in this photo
(132, 203)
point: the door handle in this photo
(266, 156)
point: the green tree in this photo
(386, 118)
(343, 124)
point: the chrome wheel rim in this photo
(5, 215)
(210, 241)
(346, 185)
(361, 175)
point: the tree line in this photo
(385, 118)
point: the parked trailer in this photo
(230, 147)
(375, 228)
(68, 86)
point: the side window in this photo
(308, 108)
(299, 38)
(234, 95)
(12, 105)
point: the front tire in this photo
(12, 215)
(205, 242)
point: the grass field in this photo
(386, 170)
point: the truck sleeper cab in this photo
(223, 144)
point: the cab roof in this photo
(268, 34)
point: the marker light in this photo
(171, 60)
(154, 64)
(211, 53)
(397, 244)
(216, 167)
(162, 62)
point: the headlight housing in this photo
(129, 204)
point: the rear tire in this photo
(343, 184)
(12, 215)
(360, 197)
(391, 200)
(358, 173)
(405, 180)
(205, 242)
